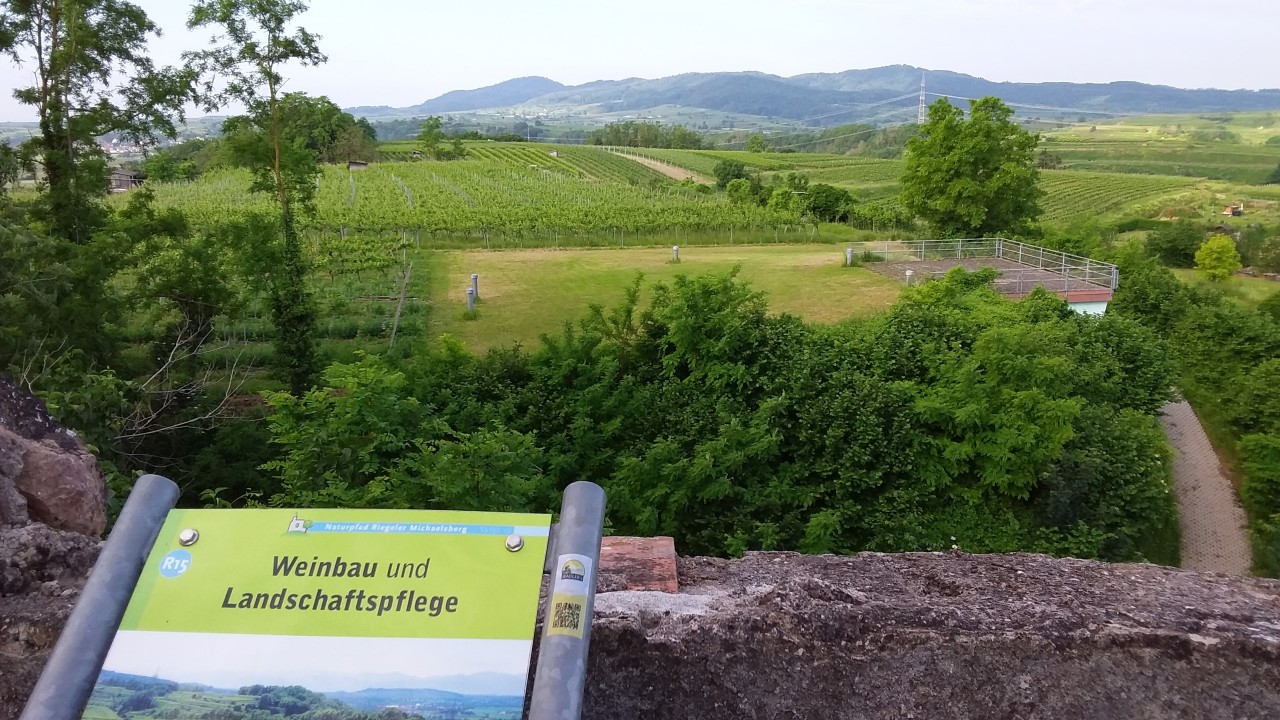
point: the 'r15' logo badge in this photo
(175, 563)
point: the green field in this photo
(372, 225)
(1248, 291)
(476, 199)
(531, 194)
(1218, 146)
(1118, 187)
(525, 293)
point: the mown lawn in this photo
(525, 293)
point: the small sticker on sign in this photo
(569, 596)
(572, 572)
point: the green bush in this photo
(958, 418)
(1175, 245)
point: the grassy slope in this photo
(529, 292)
(1247, 291)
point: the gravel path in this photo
(1213, 523)
(674, 172)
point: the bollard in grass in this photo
(675, 253)
(475, 285)
(910, 274)
(848, 257)
(471, 300)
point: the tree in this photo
(431, 137)
(93, 76)
(1268, 255)
(353, 144)
(1176, 244)
(244, 65)
(1218, 258)
(10, 168)
(1273, 178)
(829, 203)
(972, 177)
(1047, 161)
(740, 192)
(728, 170)
(164, 166)
(757, 144)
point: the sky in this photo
(322, 664)
(402, 52)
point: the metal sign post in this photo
(68, 678)
(561, 675)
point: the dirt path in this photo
(674, 172)
(1213, 523)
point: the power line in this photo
(817, 130)
(1046, 107)
(858, 107)
(848, 135)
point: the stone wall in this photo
(925, 635)
(921, 635)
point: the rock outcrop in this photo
(925, 635)
(46, 473)
(41, 572)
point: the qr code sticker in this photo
(567, 616)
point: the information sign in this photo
(241, 612)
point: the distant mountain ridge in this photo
(804, 97)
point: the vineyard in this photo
(479, 199)
(1070, 194)
(704, 162)
(520, 195)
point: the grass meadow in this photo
(526, 293)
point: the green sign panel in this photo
(428, 612)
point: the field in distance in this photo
(525, 293)
(1101, 181)
(1236, 147)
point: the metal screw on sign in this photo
(188, 537)
(515, 543)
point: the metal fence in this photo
(1043, 267)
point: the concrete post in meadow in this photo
(471, 300)
(910, 274)
(475, 285)
(675, 253)
(848, 257)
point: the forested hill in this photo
(804, 96)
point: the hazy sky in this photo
(323, 664)
(401, 52)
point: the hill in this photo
(509, 92)
(802, 97)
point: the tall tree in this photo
(255, 40)
(431, 136)
(92, 77)
(974, 177)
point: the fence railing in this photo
(1037, 260)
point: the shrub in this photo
(1218, 258)
(1175, 245)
